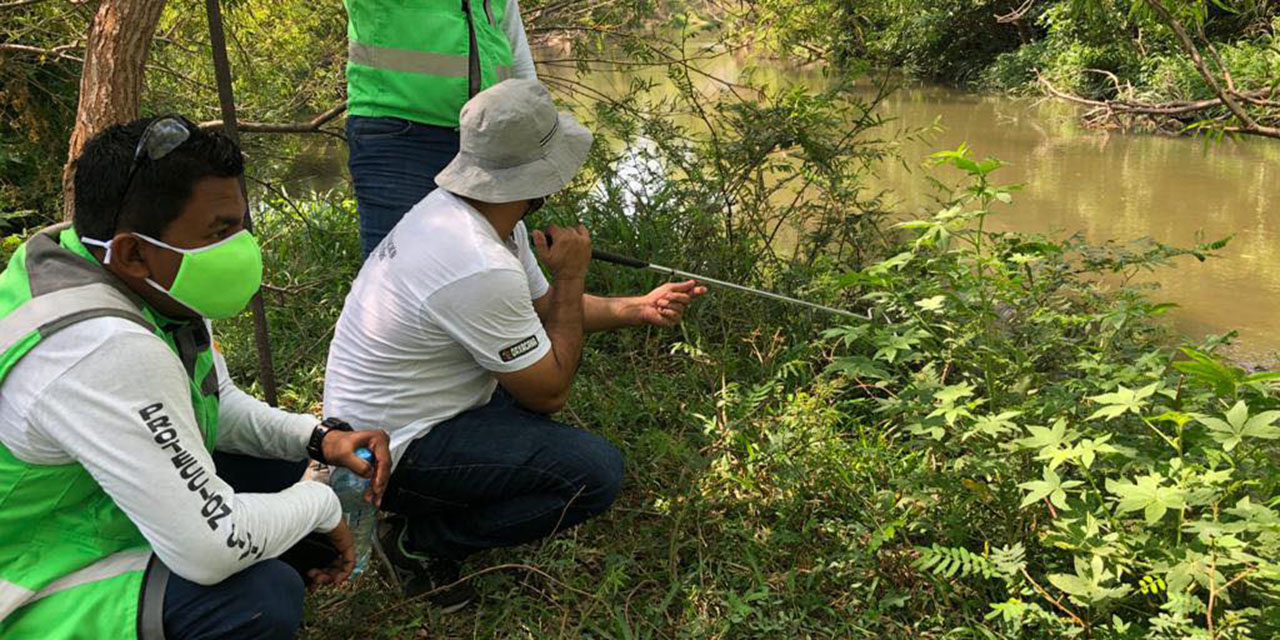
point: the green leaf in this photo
(1265, 376)
(931, 304)
(988, 165)
(995, 425)
(1052, 486)
(1046, 437)
(1238, 426)
(896, 262)
(1088, 449)
(858, 367)
(1123, 400)
(1071, 584)
(1148, 495)
(1205, 369)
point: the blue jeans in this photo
(498, 476)
(263, 602)
(393, 164)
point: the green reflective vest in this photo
(72, 564)
(421, 60)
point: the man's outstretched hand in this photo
(340, 450)
(665, 306)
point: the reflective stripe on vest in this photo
(407, 60)
(410, 61)
(66, 306)
(13, 597)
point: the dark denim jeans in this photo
(499, 476)
(263, 602)
(393, 164)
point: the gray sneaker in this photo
(416, 574)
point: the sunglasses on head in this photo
(159, 139)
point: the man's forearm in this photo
(607, 314)
(564, 322)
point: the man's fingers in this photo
(540, 242)
(382, 475)
(682, 298)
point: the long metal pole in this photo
(634, 263)
(759, 292)
(222, 72)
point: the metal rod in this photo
(222, 72)
(759, 292)
(635, 263)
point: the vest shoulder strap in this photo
(57, 310)
(65, 289)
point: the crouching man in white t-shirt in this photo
(453, 341)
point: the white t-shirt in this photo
(437, 307)
(109, 395)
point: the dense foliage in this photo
(1099, 50)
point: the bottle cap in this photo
(365, 454)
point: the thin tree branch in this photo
(312, 126)
(18, 4)
(1016, 14)
(59, 52)
(1057, 603)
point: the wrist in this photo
(317, 446)
(570, 277)
(631, 311)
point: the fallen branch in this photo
(312, 126)
(1176, 110)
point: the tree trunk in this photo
(111, 84)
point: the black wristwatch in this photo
(315, 447)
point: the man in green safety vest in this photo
(410, 68)
(124, 512)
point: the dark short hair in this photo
(160, 188)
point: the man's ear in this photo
(126, 257)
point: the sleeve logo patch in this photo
(518, 349)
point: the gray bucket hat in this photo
(515, 145)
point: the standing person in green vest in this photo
(411, 66)
(117, 517)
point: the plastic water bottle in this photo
(361, 515)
